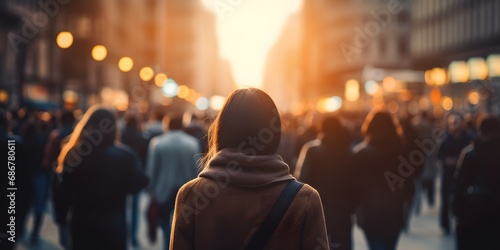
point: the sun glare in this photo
(246, 30)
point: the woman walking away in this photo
(97, 175)
(380, 187)
(243, 184)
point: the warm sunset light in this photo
(246, 32)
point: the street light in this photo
(183, 91)
(371, 87)
(125, 64)
(202, 103)
(447, 103)
(478, 68)
(160, 79)
(217, 102)
(494, 65)
(146, 74)
(352, 90)
(459, 72)
(64, 39)
(99, 53)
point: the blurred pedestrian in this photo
(35, 133)
(197, 129)
(155, 125)
(241, 180)
(133, 137)
(477, 190)
(380, 213)
(411, 138)
(57, 138)
(326, 164)
(449, 151)
(172, 161)
(97, 175)
(426, 182)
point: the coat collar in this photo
(243, 170)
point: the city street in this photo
(424, 234)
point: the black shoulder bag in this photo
(261, 237)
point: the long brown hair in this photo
(381, 128)
(247, 113)
(91, 121)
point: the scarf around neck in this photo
(244, 170)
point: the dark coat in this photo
(479, 166)
(378, 204)
(328, 168)
(97, 189)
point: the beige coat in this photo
(226, 204)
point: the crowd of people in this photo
(212, 181)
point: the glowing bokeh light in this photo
(447, 103)
(473, 98)
(371, 87)
(330, 104)
(493, 65)
(64, 39)
(183, 91)
(217, 102)
(99, 53)
(352, 90)
(389, 83)
(125, 64)
(459, 71)
(202, 103)
(160, 79)
(478, 68)
(146, 73)
(170, 88)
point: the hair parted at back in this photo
(248, 114)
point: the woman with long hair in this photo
(97, 174)
(241, 179)
(379, 184)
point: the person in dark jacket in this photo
(133, 137)
(35, 133)
(325, 164)
(52, 149)
(476, 201)
(97, 175)
(380, 212)
(448, 154)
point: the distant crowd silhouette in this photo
(250, 178)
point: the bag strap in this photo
(273, 218)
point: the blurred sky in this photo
(246, 30)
